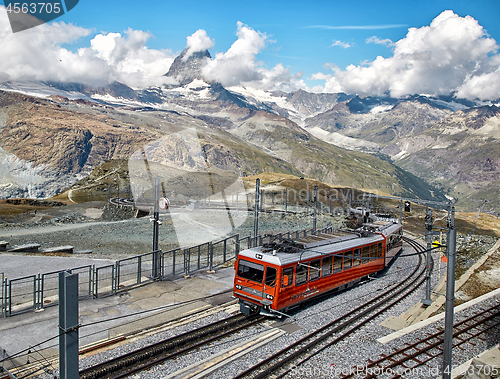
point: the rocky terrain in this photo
(110, 233)
(448, 144)
(69, 138)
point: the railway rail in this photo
(412, 358)
(147, 357)
(284, 361)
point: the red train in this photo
(277, 276)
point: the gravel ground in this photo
(82, 226)
(116, 239)
(359, 346)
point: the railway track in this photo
(413, 357)
(284, 361)
(147, 357)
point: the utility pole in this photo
(307, 200)
(343, 203)
(451, 252)
(286, 201)
(256, 215)
(330, 202)
(363, 209)
(68, 325)
(401, 212)
(428, 238)
(156, 228)
(262, 199)
(156, 214)
(315, 208)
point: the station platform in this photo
(129, 311)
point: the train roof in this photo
(310, 247)
(382, 227)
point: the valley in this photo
(55, 134)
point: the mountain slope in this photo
(72, 137)
(462, 153)
(185, 68)
(451, 143)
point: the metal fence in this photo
(38, 291)
(41, 290)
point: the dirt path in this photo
(16, 232)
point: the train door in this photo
(269, 289)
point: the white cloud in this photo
(132, 63)
(452, 54)
(239, 65)
(37, 54)
(485, 86)
(198, 41)
(342, 44)
(378, 41)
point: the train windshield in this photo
(251, 271)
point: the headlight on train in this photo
(269, 297)
(238, 287)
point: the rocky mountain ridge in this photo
(300, 132)
(71, 138)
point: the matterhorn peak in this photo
(185, 70)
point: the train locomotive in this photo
(274, 277)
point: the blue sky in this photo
(306, 38)
(297, 46)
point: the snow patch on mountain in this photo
(41, 90)
(340, 140)
(381, 108)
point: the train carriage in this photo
(276, 276)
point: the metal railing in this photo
(41, 290)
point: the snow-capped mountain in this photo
(430, 137)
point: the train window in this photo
(357, 258)
(348, 260)
(379, 250)
(326, 267)
(366, 254)
(251, 271)
(287, 278)
(270, 276)
(337, 263)
(373, 251)
(301, 276)
(315, 269)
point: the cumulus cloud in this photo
(37, 54)
(198, 41)
(342, 44)
(239, 65)
(451, 55)
(129, 59)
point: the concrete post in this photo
(68, 325)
